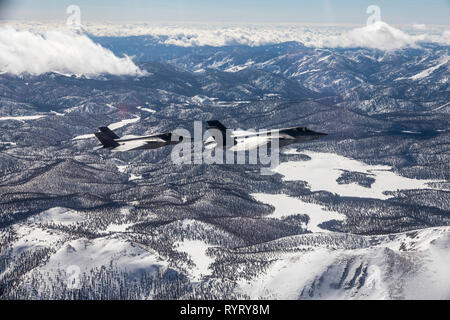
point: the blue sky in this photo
(240, 11)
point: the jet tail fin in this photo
(109, 132)
(227, 140)
(215, 124)
(107, 137)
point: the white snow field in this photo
(118, 228)
(22, 118)
(132, 176)
(58, 216)
(286, 206)
(196, 251)
(8, 144)
(146, 109)
(322, 171)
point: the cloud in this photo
(58, 51)
(419, 26)
(379, 35)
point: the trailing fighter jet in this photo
(113, 142)
(246, 140)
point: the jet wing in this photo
(250, 143)
(111, 141)
(280, 133)
(138, 144)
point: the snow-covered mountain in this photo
(361, 214)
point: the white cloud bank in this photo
(379, 35)
(58, 51)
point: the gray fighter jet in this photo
(113, 142)
(240, 140)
